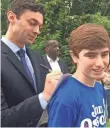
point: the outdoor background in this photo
(61, 17)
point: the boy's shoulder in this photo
(67, 91)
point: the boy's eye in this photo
(91, 55)
(105, 54)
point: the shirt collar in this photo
(11, 45)
(50, 60)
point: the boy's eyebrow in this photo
(90, 53)
(107, 51)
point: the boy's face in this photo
(91, 64)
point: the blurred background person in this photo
(106, 82)
(52, 59)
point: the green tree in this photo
(4, 5)
(61, 17)
(79, 7)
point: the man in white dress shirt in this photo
(51, 58)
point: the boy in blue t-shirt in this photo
(80, 100)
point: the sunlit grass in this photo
(108, 123)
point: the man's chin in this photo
(30, 42)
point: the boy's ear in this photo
(74, 58)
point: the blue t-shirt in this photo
(77, 105)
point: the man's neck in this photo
(10, 38)
(51, 57)
(10, 35)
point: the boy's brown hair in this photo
(88, 36)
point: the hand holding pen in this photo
(51, 81)
(45, 67)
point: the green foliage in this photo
(61, 17)
(102, 20)
(61, 33)
(108, 123)
(4, 5)
(79, 7)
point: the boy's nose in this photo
(99, 61)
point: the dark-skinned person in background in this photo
(25, 88)
(52, 59)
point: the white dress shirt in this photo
(54, 64)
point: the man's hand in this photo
(51, 83)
